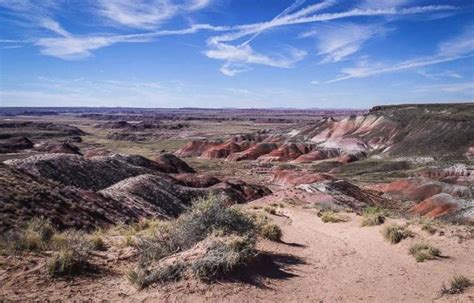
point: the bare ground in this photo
(315, 262)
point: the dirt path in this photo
(318, 262)
(344, 262)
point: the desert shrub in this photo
(266, 228)
(136, 277)
(34, 236)
(271, 231)
(429, 228)
(270, 210)
(424, 251)
(41, 227)
(331, 217)
(166, 273)
(97, 242)
(458, 284)
(207, 215)
(372, 216)
(66, 262)
(395, 233)
(224, 256)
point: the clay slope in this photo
(152, 194)
(93, 173)
(164, 196)
(441, 131)
(347, 195)
(433, 198)
(24, 196)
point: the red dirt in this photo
(291, 177)
(436, 206)
(253, 152)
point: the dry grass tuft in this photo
(395, 233)
(372, 216)
(424, 251)
(458, 284)
(331, 217)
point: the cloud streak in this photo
(457, 48)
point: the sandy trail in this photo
(317, 262)
(344, 262)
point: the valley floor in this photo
(315, 262)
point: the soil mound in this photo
(347, 195)
(87, 173)
(152, 195)
(15, 144)
(169, 163)
(194, 180)
(59, 148)
(253, 152)
(222, 150)
(419, 189)
(446, 207)
(291, 177)
(25, 196)
(195, 148)
(316, 155)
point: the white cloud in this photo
(337, 42)
(378, 4)
(448, 88)
(245, 54)
(54, 27)
(459, 47)
(221, 49)
(315, 82)
(145, 14)
(439, 75)
(69, 46)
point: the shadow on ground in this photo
(268, 266)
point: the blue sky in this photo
(235, 53)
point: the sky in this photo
(235, 53)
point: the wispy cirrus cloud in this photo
(338, 49)
(456, 48)
(439, 75)
(69, 46)
(337, 42)
(467, 87)
(146, 14)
